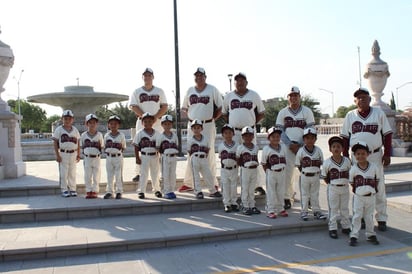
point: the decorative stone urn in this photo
(377, 73)
(6, 62)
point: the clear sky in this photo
(277, 43)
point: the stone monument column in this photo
(11, 163)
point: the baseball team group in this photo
(356, 162)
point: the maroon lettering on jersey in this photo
(197, 148)
(308, 162)
(194, 99)
(90, 143)
(247, 157)
(275, 159)
(359, 127)
(64, 138)
(290, 122)
(144, 97)
(359, 180)
(227, 155)
(146, 142)
(166, 145)
(236, 103)
(334, 174)
(111, 144)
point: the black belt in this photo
(149, 153)
(310, 174)
(339, 185)
(67, 151)
(204, 121)
(114, 155)
(278, 170)
(200, 155)
(251, 167)
(229, 167)
(92, 156)
(367, 195)
(170, 155)
(240, 129)
(376, 150)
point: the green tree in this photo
(392, 103)
(32, 116)
(126, 115)
(342, 110)
(47, 124)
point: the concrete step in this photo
(99, 235)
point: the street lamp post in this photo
(18, 96)
(333, 99)
(230, 81)
(397, 89)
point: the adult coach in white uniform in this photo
(202, 102)
(370, 125)
(241, 108)
(293, 119)
(151, 99)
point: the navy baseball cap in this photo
(360, 91)
(240, 75)
(335, 139)
(360, 145)
(146, 115)
(166, 118)
(67, 112)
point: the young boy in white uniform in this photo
(114, 145)
(91, 142)
(274, 163)
(66, 147)
(335, 172)
(229, 177)
(308, 160)
(167, 145)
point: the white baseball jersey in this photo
(248, 156)
(91, 144)
(68, 139)
(365, 181)
(167, 144)
(337, 173)
(227, 154)
(309, 161)
(241, 109)
(200, 105)
(293, 122)
(229, 177)
(198, 147)
(145, 141)
(274, 158)
(114, 144)
(370, 129)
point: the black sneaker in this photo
(217, 194)
(158, 194)
(199, 195)
(333, 234)
(346, 231)
(107, 196)
(382, 226)
(235, 208)
(288, 204)
(228, 209)
(363, 225)
(247, 211)
(319, 216)
(259, 191)
(118, 196)
(304, 216)
(136, 178)
(373, 240)
(353, 241)
(141, 195)
(255, 210)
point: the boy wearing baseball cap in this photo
(198, 147)
(274, 163)
(66, 147)
(92, 144)
(364, 176)
(247, 158)
(114, 145)
(309, 158)
(335, 172)
(229, 177)
(167, 145)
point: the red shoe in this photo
(271, 215)
(185, 188)
(89, 195)
(284, 213)
(94, 195)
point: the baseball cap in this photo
(247, 130)
(273, 130)
(149, 70)
(91, 116)
(166, 118)
(309, 130)
(335, 139)
(227, 126)
(240, 74)
(360, 91)
(200, 70)
(360, 145)
(67, 112)
(146, 114)
(196, 122)
(114, 117)
(294, 89)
